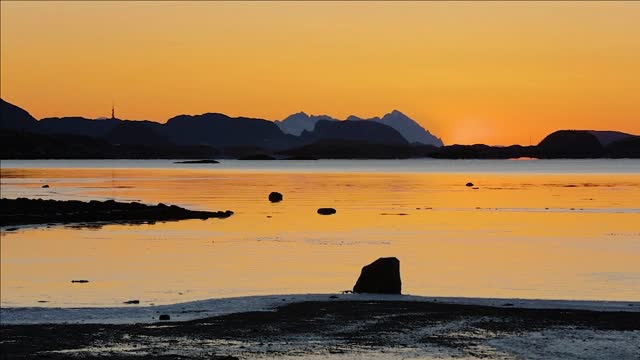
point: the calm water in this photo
(534, 229)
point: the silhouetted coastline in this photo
(24, 211)
(219, 136)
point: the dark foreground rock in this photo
(275, 197)
(356, 328)
(24, 211)
(326, 211)
(380, 277)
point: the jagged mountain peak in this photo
(296, 124)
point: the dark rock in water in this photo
(469, 184)
(164, 317)
(132, 302)
(326, 211)
(275, 197)
(45, 186)
(197, 162)
(380, 277)
(80, 281)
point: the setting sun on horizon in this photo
(489, 72)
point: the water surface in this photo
(565, 229)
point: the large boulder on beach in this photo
(380, 277)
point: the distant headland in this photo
(299, 136)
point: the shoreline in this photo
(200, 309)
(339, 329)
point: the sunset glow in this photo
(495, 73)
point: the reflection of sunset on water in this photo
(565, 236)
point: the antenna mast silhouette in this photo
(113, 111)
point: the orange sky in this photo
(497, 73)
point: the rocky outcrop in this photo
(24, 211)
(380, 277)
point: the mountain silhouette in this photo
(221, 131)
(571, 144)
(608, 137)
(412, 131)
(15, 118)
(360, 131)
(77, 126)
(144, 133)
(627, 147)
(407, 127)
(213, 134)
(296, 123)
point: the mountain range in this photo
(299, 136)
(221, 131)
(297, 123)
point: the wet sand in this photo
(346, 330)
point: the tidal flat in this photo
(336, 329)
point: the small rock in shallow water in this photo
(275, 197)
(132, 302)
(45, 186)
(469, 184)
(326, 211)
(164, 317)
